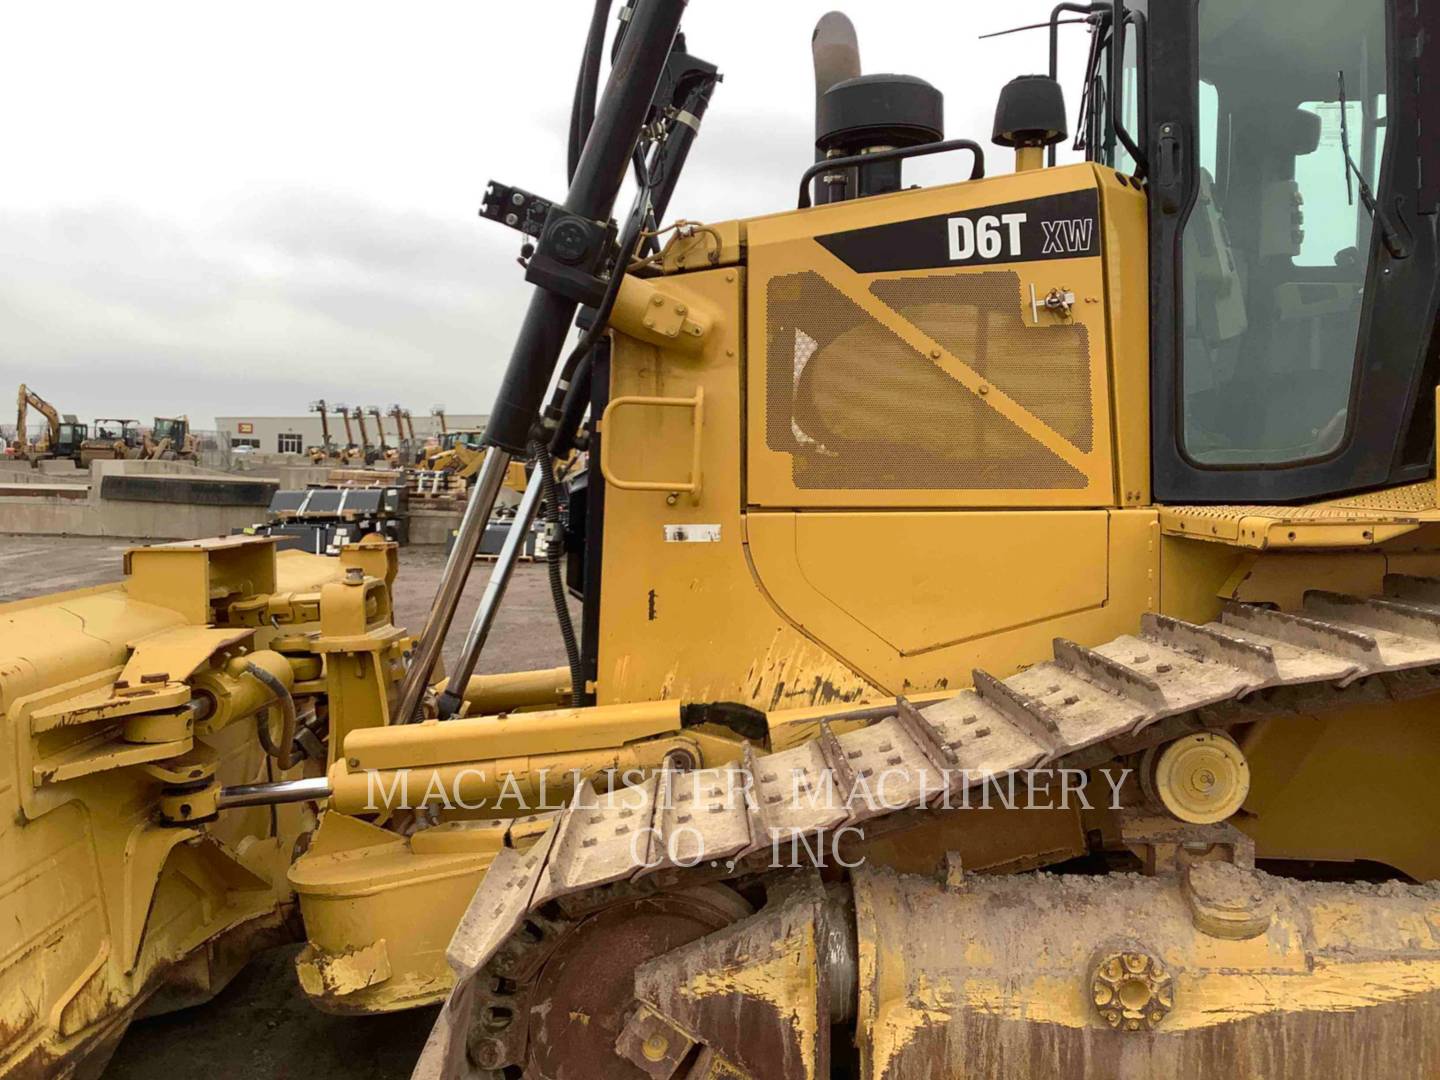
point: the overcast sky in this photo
(222, 208)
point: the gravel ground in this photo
(261, 1026)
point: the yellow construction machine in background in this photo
(62, 437)
(112, 440)
(170, 439)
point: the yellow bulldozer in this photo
(1010, 635)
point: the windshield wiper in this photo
(1388, 233)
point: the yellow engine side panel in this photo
(901, 352)
(782, 610)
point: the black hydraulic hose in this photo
(281, 752)
(554, 551)
(572, 409)
(587, 82)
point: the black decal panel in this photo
(1065, 226)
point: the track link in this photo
(1084, 707)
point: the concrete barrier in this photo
(121, 520)
(299, 477)
(432, 526)
(36, 489)
(140, 500)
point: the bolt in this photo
(679, 309)
(517, 199)
(934, 354)
(487, 1053)
(984, 389)
(354, 575)
(658, 301)
(655, 1047)
(511, 219)
(671, 499)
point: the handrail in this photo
(690, 486)
(895, 154)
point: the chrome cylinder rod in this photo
(452, 581)
(453, 697)
(282, 791)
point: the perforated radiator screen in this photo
(856, 407)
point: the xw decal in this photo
(1065, 225)
(1067, 237)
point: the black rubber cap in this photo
(879, 110)
(1031, 112)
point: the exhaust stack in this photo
(836, 51)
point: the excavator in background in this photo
(170, 439)
(1010, 631)
(62, 437)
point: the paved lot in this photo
(261, 1026)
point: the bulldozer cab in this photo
(1292, 210)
